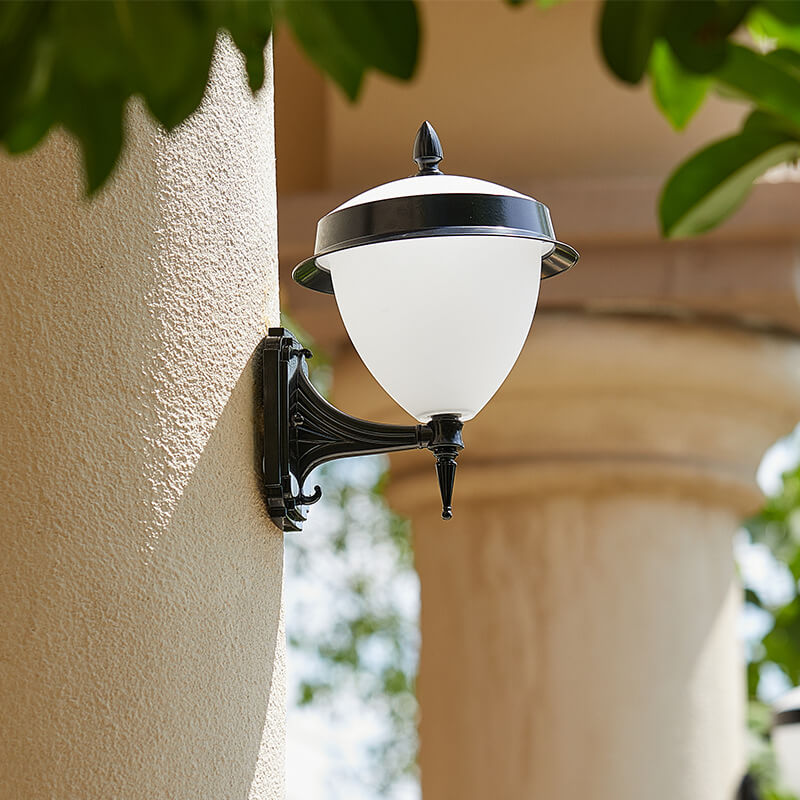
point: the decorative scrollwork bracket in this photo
(303, 430)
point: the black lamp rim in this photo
(787, 716)
(396, 216)
(312, 275)
(417, 216)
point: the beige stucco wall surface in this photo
(140, 585)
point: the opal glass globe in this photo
(465, 302)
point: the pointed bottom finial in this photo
(446, 472)
(446, 444)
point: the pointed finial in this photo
(445, 443)
(427, 150)
(446, 472)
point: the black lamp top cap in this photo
(431, 214)
(427, 150)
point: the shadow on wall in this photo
(222, 627)
(156, 677)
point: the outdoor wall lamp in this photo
(786, 739)
(436, 278)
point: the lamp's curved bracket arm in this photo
(303, 430)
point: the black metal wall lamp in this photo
(436, 278)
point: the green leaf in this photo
(346, 37)
(713, 183)
(96, 120)
(316, 29)
(787, 11)
(766, 27)
(250, 26)
(753, 678)
(395, 681)
(170, 44)
(90, 83)
(90, 43)
(14, 19)
(787, 60)
(782, 643)
(306, 694)
(26, 56)
(628, 29)
(698, 30)
(764, 121)
(750, 596)
(78, 61)
(309, 692)
(765, 82)
(678, 93)
(30, 127)
(385, 35)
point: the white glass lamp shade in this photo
(430, 184)
(439, 321)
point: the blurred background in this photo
(583, 626)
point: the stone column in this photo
(141, 579)
(579, 613)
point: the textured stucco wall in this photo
(140, 584)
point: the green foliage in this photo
(367, 645)
(690, 46)
(346, 38)
(762, 767)
(713, 183)
(769, 81)
(767, 29)
(697, 30)
(77, 62)
(778, 527)
(786, 11)
(677, 92)
(628, 30)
